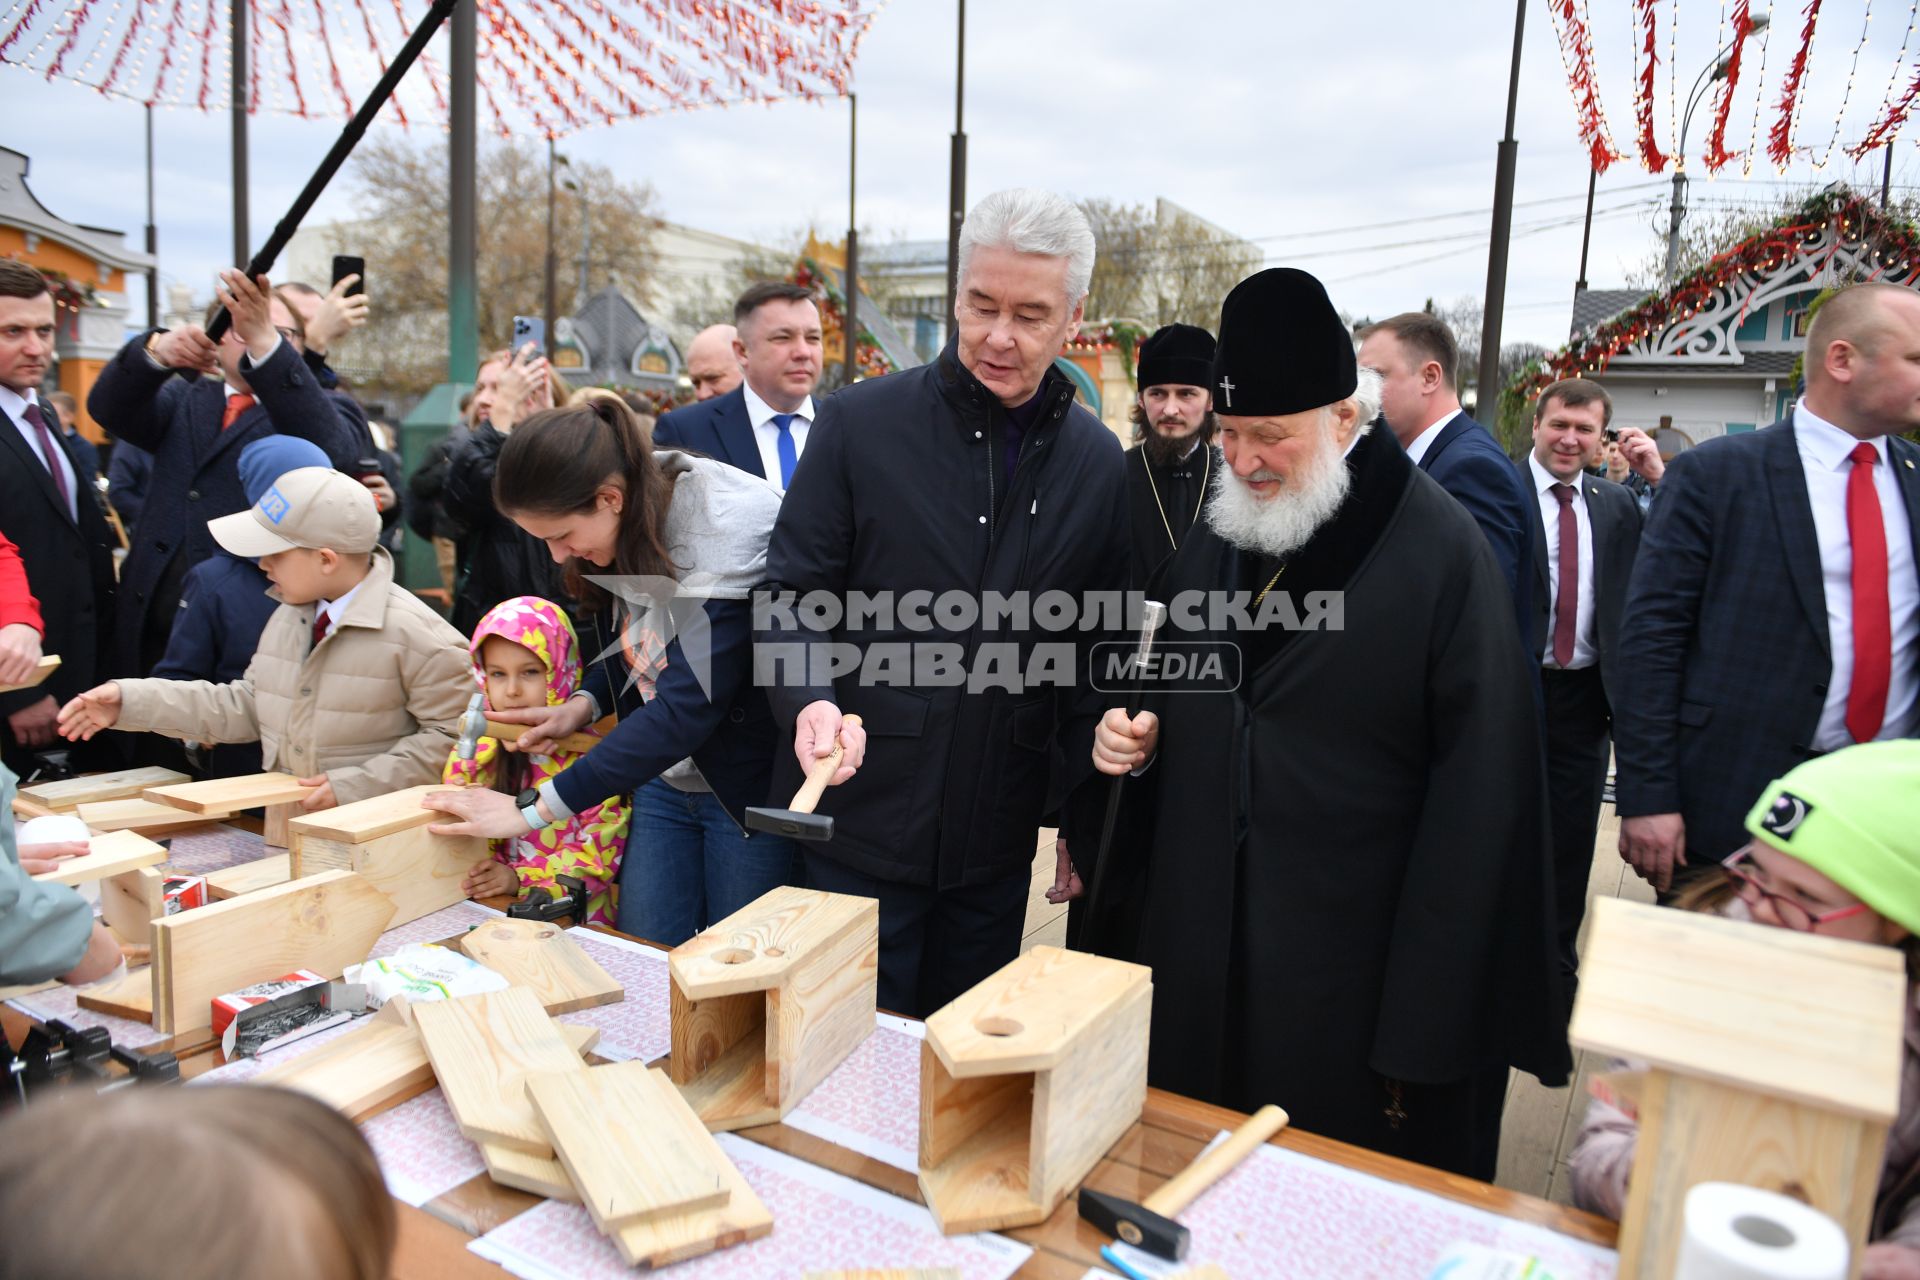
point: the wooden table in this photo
(1170, 1133)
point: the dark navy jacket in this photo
(718, 428)
(196, 475)
(1469, 463)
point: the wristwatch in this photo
(528, 802)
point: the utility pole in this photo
(1496, 299)
(853, 237)
(242, 242)
(463, 326)
(1586, 233)
(551, 265)
(957, 164)
(153, 236)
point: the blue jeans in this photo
(688, 864)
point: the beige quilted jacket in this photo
(374, 706)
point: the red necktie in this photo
(237, 404)
(47, 446)
(1566, 605)
(1872, 617)
(319, 627)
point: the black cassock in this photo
(1161, 505)
(1338, 871)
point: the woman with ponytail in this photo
(662, 550)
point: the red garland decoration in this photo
(1643, 89)
(1717, 156)
(1577, 44)
(1780, 139)
(1890, 124)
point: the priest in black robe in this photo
(1334, 849)
(1172, 460)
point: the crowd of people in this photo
(1353, 838)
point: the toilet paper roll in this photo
(1735, 1232)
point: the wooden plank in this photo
(371, 1065)
(261, 873)
(118, 785)
(418, 871)
(539, 955)
(230, 795)
(131, 997)
(484, 1048)
(369, 819)
(757, 946)
(130, 902)
(1082, 1106)
(615, 1135)
(1794, 1015)
(324, 923)
(535, 1175)
(136, 814)
(1025, 1016)
(28, 810)
(49, 663)
(107, 855)
(273, 827)
(742, 1218)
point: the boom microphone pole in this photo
(342, 148)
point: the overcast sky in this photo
(1298, 125)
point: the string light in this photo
(1893, 115)
(1846, 96)
(1759, 96)
(1780, 140)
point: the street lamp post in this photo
(1714, 72)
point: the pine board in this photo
(1026, 1016)
(248, 877)
(616, 1134)
(535, 1175)
(743, 1217)
(324, 923)
(131, 997)
(130, 902)
(420, 872)
(118, 785)
(230, 795)
(135, 814)
(49, 663)
(540, 956)
(484, 1048)
(107, 855)
(369, 819)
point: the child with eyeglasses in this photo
(1835, 851)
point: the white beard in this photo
(1280, 525)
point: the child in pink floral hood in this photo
(525, 654)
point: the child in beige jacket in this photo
(357, 686)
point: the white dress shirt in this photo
(1418, 446)
(767, 436)
(334, 610)
(1585, 652)
(1823, 456)
(16, 408)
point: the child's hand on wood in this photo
(38, 859)
(96, 709)
(490, 879)
(321, 797)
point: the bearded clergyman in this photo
(1338, 857)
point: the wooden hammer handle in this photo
(822, 773)
(1185, 1187)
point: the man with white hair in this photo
(970, 479)
(1339, 874)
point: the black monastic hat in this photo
(1177, 354)
(1283, 348)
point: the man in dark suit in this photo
(1774, 612)
(195, 429)
(85, 454)
(1418, 361)
(1584, 541)
(760, 426)
(62, 537)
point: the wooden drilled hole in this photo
(997, 1026)
(733, 955)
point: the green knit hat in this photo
(1854, 816)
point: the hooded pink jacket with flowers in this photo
(586, 846)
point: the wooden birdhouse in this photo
(385, 840)
(1025, 1082)
(1773, 1060)
(768, 1001)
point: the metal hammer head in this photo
(473, 723)
(1138, 1226)
(791, 823)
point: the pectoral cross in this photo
(1226, 386)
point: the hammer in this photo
(798, 821)
(1150, 1225)
(474, 724)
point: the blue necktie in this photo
(789, 458)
